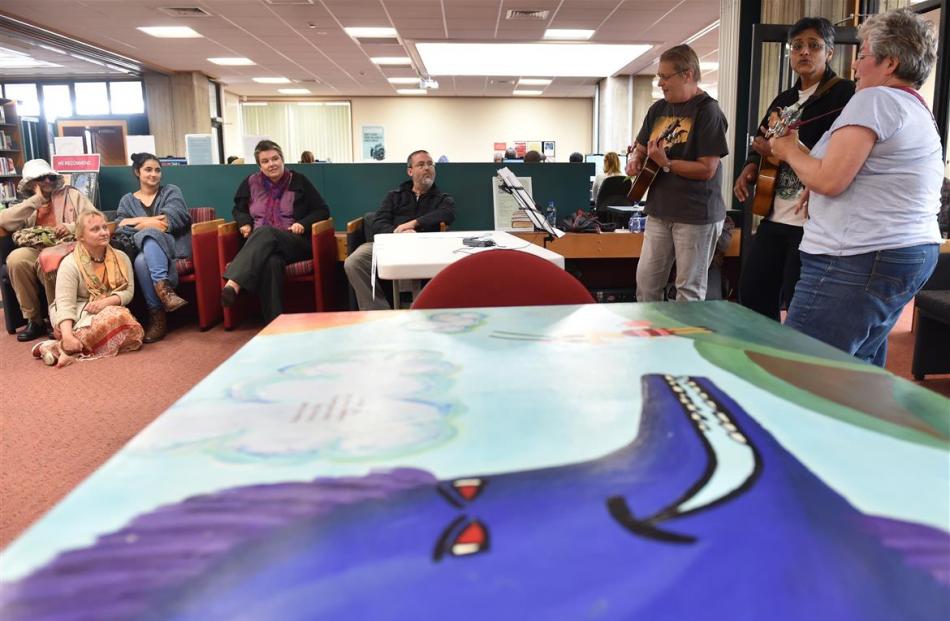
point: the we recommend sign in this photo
(76, 163)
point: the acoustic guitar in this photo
(650, 169)
(768, 166)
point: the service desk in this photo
(629, 461)
(620, 244)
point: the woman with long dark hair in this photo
(156, 218)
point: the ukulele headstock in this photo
(788, 119)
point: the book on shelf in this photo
(7, 191)
(3, 115)
(6, 142)
(6, 166)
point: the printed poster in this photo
(374, 143)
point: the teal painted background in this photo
(353, 189)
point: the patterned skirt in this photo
(113, 331)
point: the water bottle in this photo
(635, 225)
(550, 214)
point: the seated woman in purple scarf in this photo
(274, 210)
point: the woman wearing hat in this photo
(49, 203)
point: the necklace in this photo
(95, 260)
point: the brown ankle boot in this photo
(156, 326)
(167, 295)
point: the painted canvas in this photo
(605, 462)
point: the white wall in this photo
(466, 128)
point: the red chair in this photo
(502, 278)
(310, 285)
(201, 270)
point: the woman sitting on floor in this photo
(93, 286)
(275, 209)
(156, 218)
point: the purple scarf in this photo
(267, 198)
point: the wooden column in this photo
(178, 104)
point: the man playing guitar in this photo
(684, 207)
(772, 266)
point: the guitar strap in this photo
(824, 89)
(917, 96)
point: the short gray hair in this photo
(683, 58)
(905, 36)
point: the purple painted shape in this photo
(123, 570)
(922, 547)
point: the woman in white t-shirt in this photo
(874, 179)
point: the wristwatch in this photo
(666, 168)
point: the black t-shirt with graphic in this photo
(701, 133)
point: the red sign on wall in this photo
(76, 163)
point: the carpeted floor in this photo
(58, 425)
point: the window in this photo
(320, 127)
(25, 94)
(127, 97)
(57, 102)
(92, 98)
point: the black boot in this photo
(34, 330)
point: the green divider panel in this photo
(353, 189)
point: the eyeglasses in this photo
(813, 46)
(48, 178)
(663, 78)
(424, 165)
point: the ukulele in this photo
(650, 169)
(768, 167)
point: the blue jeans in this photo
(853, 302)
(151, 266)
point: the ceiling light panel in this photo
(232, 61)
(171, 32)
(403, 80)
(271, 80)
(370, 33)
(518, 59)
(527, 93)
(294, 91)
(534, 81)
(568, 34)
(411, 91)
(392, 61)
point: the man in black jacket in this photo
(416, 205)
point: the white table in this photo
(412, 256)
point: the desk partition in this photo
(353, 189)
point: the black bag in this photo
(124, 239)
(583, 222)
